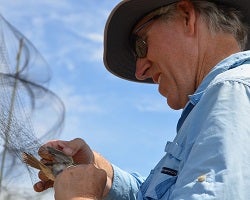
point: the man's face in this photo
(170, 60)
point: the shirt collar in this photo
(228, 63)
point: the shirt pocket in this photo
(162, 179)
(161, 187)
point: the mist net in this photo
(30, 113)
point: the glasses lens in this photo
(141, 48)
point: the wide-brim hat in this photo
(118, 57)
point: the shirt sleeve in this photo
(125, 185)
(217, 162)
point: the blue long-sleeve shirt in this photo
(210, 155)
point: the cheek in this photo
(172, 96)
(162, 90)
(161, 49)
(158, 46)
(166, 86)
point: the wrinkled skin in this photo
(80, 182)
(83, 156)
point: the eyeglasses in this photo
(139, 45)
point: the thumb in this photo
(79, 150)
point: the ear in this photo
(186, 10)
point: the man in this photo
(194, 51)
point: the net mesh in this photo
(30, 113)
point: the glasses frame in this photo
(138, 44)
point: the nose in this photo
(142, 69)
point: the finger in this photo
(70, 148)
(56, 144)
(73, 146)
(41, 185)
(42, 176)
(80, 147)
(48, 184)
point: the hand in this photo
(77, 148)
(81, 153)
(80, 182)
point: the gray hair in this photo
(219, 18)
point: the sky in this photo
(128, 123)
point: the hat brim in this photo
(118, 57)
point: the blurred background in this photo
(128, 123)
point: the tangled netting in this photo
(30, 113)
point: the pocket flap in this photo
(174, 149)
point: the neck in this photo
(217, 48)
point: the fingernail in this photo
(39, 187)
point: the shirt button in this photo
(202, 178)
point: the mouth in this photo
(157, 78)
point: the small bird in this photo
(54, 167)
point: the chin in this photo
(174, 105)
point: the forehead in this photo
(152, 15)
(144, 21)
(141, 24)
